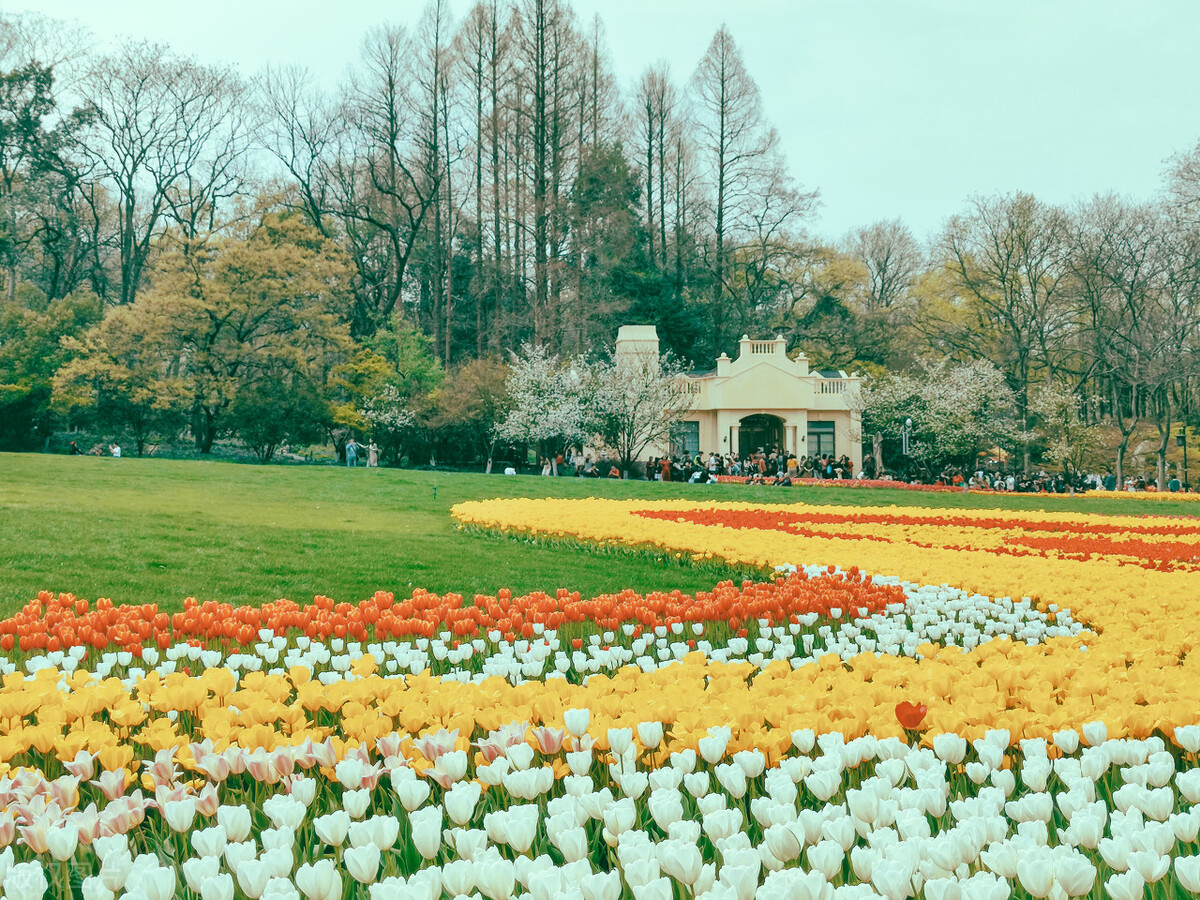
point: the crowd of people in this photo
(765, 465)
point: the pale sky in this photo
(887, 107)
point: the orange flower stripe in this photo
(1167, 547)
(1131, 580)
(53, 623)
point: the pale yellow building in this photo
(762, 399)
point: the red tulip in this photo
(910, 715)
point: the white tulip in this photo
(62, 842)
(950, 748)
(319, 880)
(826, 857)
(460, 801)
(1149, 865)
(25, 881)
(209, 841)
(495, 879)
(195, 871)
(356, 803)
(1095, 733)
(362, 863)
(332, 827)
(219, 887)
(1187, 870)
(427, 830)
(252, 876)
(94, 889)
(458, 877)
(180, 814)
(1066, 740)
(1125, 886)
(1188, 738)
(280, 889)
(650, 734)
(601, 886)
(279, 861)
(712, 747)
(576, 721)
(154, 881)
(412, 793)
(236, 821)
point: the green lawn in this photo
(147, 530)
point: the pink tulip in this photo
(431, 746)
(34, 835)
(83, 766)
(208, 802)
(390, 745)
(87, 822)
(111, 784)
(549, 740)
(162, 769)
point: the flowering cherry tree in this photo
(638, 399)
(623, 406)
(548, 397)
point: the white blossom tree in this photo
(549, 402)
(390, 419)
(637, 399)
(956, 410)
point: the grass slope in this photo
(146, 530)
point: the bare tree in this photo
(1007, 256)
(736, 140)
(298, 128)
(382, 183)
(166, 141)
(892, 258)
(656, 101)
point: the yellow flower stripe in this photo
(1136, 672)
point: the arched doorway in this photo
(759, 432)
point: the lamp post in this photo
(1181, 441)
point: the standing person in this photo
(352, 453)
(372, 455)
(115, 450)
(74, 449)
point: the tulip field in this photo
(904, 701)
